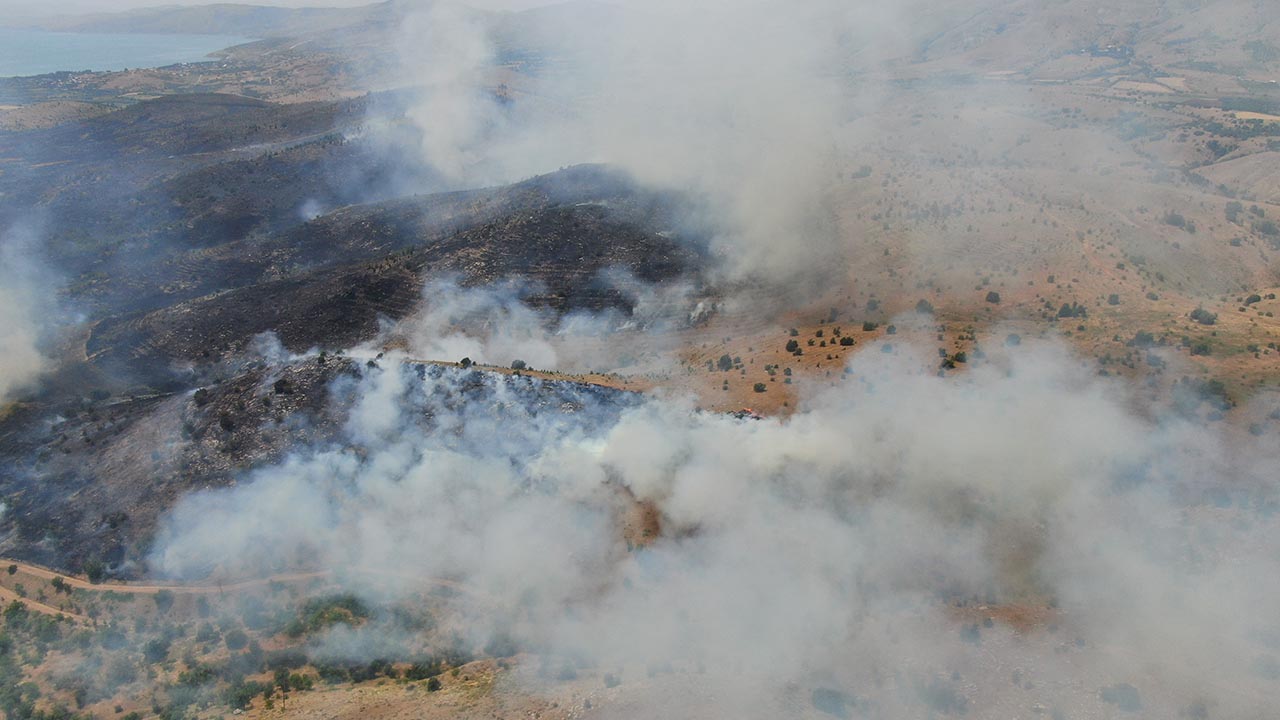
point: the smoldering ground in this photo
(762, 111)
(857, 544)
(27, 292)
(736, 106)
(496, 325)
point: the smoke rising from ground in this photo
(835, 544)
(858, 544)
(487, 325)
(24, 298)
(495, 325)
(736, 105)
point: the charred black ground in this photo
(188, 225)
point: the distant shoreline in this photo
(31, 52)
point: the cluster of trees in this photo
(1242, 129)
(1143, 339)
(321, 613)
(1178, 221)
(1073, 310)
(28, 636)
(1204, 317)
(109, 657)
(1235, 213)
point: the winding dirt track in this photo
(200, 589)
(205, 588)
(7, 596)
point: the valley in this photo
(601, 361)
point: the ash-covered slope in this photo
(118, 194)
(186, 225)
(329, 282)
(90, 484)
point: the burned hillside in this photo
(562, 241)
(90, 484)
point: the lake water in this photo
(35, 52)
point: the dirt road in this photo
(204, 588)
(7, 596)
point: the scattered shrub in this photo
(832, 702)
(1204, 317)
(1123, 696)
(236, 640)
(156, 650)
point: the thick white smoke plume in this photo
(856, 544)
(495, 325)
(735, 104)
(444, 48)
(487, 325)
(24, 297)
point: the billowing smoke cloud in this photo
(445, 49)
(495, 325)
(487, 325)
(24, 298)
(858, 544)
(735, 104)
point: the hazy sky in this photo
(27, 8)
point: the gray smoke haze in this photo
(734, 104)
(24, 299)
(857, 544)
(494, 325)
(26, 9)
(763, 110)
(835, 544)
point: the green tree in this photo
(235, 639)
